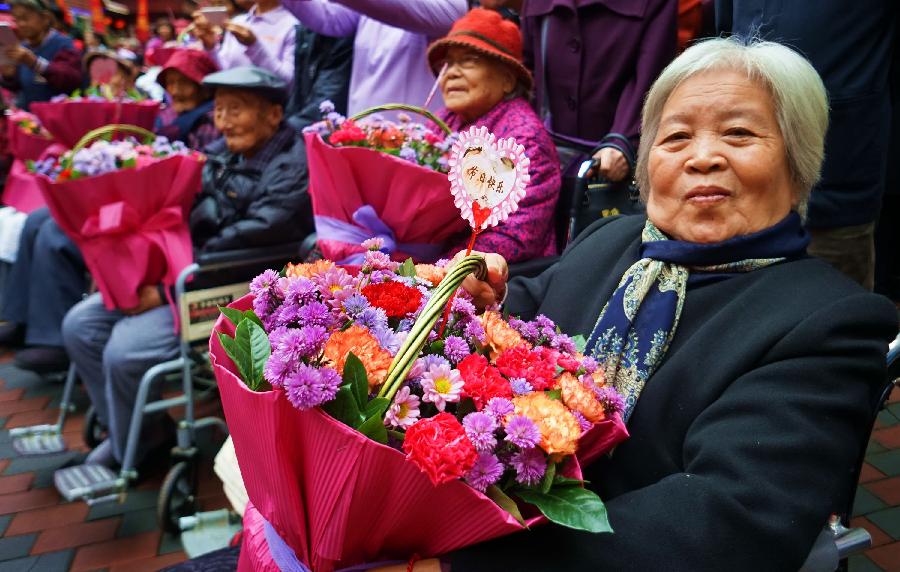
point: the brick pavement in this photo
(41, 531)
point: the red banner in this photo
(142, 27)
(67, 15)
(98, 22)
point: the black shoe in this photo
(11, 334)
(42, 359)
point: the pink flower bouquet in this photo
(125, 204)
(70, 119)
(372, 177)
(365, 432)
(28, 141)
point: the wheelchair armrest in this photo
(236, 258)
(533, 267)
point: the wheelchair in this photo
(216, 279)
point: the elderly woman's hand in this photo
(611, 164)
(490, 291)
(243, 34)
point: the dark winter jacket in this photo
(321, 71)
(60, 71)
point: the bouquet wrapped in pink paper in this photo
(28, 141)
(70, 119)
(365, 431)
(27, 137)
(125, 204)
(373, 177)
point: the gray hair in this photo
(801, 103)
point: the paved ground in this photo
(40, 531)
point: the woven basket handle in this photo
(404, 107)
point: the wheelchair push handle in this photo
(404, 107)
(111, 130)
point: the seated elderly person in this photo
(485, 84)
(252, 196)
(749, 369)
(189, 115)
(112, 71)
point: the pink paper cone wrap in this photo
(22, 189)
(69, 121)
(25, 146)
(130, 225)
(414, 201)
(336, 497)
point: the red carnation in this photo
(348, 133)
(396, 299)
(439, 447)
(482, 380)
(536, 367)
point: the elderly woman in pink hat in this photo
(485, 84)
(189, 116)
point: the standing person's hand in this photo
(148, 298)
(21, 55)
(489, 291)
(611, 164)
(242, 34)
(204, 31)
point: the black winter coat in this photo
(254, 202)
(322, 65)
(746, 437)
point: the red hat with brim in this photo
(486, 32)
(193, 64)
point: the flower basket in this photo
(358, 193)
(130, 224)
(69, 121)
(21, 190)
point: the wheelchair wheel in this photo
(176, 497)
(92, 431)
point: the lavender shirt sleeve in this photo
(657, 50)
(432, 18)
(324, 17)
(281, 64)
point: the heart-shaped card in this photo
(488, 177)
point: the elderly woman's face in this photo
(473, 84)
(246, 120)
(186, 94)
(718, 166)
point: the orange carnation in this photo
(580, 398)
(430, 272)
(500, 336)
(363, 344)
(307, 270)
(560, 429)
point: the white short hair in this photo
(801, 103)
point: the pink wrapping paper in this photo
(414, 201)
(255, 555)
(25, 146)
(22, 190)
(130, 225)
(338, 498)
(69, 121)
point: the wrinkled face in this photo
(31, 24)
(246, 120)
(473, 84)
(718, 166)
(186, 94)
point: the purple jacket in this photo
(389, 64)
(603, 55)
(529, 232)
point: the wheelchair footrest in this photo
(40, 443)
(92, 483)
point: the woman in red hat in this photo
(188, 118)
(485, 84)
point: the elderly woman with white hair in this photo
(749, 368)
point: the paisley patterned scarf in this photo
(637, 324)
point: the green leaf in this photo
(561, 481)
(229, 345)
(572, 507)
(252, 349)
(251, 315)
(283, 272)
(343, 407)
(549, 475)
(407, 269)
(234, 316)
(437, 347)
(580, 343)
(374, 429)
(377, 407)
(494, 493)
(397, 435)
(554, 394)
(355, 376)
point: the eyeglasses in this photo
(466, 62)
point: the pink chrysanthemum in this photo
(404, 411)
(441, 385)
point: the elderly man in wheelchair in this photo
(253, 195)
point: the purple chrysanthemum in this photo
(373, 318)
(432, 360)
(610, 399)
(480, 427)
(299, 290)
(522, 432)
(374, 243)
(563, 343)
(589, 364)
(264, 283)
(390, 340)
(405, 325)
(309, 387)
(278, 368)
(520, 386)
(530, 466)
(355, 304)
(456, 349)
(528, 330)
(267, 298)
(486, 471)
(499, 407)
(326, 107)
(475, 331)
(315, 314)
(462, 306)
(377, 260)
(582, 420)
